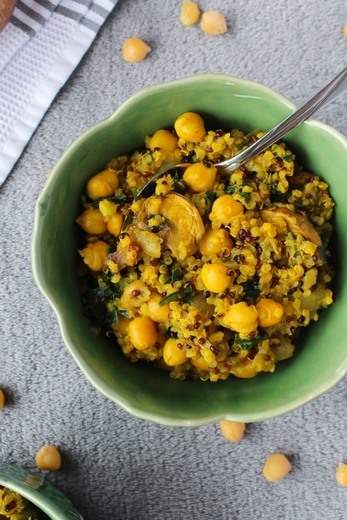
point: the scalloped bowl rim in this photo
(88, 373)
(43, 502)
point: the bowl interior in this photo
(33, 487)
(225, 102)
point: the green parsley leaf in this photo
(288, 158)
(178, 184)
(176, 275)
(210, 196)
(251, 287)
(248, 344)
(180, 295)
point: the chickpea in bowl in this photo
(213, 275)
(224, 103)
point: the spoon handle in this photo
(326, 95)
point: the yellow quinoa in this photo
(213, 275)
(14, 506)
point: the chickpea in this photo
(215, 277)
(153, 309)
(190, 126)
(200, 363)
(173, 356)
(107, 208)
(241, 318)
(213, 23)
(103, 184)
(276, 467)
(121, 326)
(135, 294)
(142, 333)
(164, 140)
(232, 431)
(270, 312)
(214, 241)
(199, 177)
(190, 13)
(92, 221)
(2, 399)
(95, 254)
(225, 208)
(341, 474)
(48, 458)
(135, 50)
(114, 223)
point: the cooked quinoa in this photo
(15, 507)
(212, 275)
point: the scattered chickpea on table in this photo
(341, 474)
(276, 467)
(232, 431)
(190, 13)
(2, 399)
(135, 50)
(48, 458)
(213, 23)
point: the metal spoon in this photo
(326, 95)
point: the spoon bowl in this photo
(335, 88)
(143, 391)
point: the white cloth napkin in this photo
(39, 49)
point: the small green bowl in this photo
(320, 358)
(33, 487)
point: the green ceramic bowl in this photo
(320, 358)
(32, 486)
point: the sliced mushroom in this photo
(149, 242)
(183, 226)
(300, 179)
(297, 222)
(127, 256)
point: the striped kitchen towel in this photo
(39, 49)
